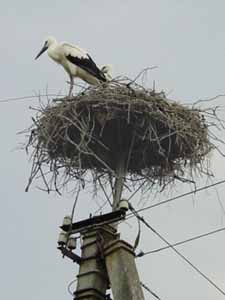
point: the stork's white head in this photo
(48, 43)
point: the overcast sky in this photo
(185, 39)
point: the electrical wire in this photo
(14, 99)
(141, 254)
(134, 193)
(177, 197)
(69, 287)
(176, 251)
(100, 207)
(149, 290)
(103, 189)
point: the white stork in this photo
(76, 61)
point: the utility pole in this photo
(106, 261)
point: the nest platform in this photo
(157, 138)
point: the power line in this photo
(177, 197)
(141, 254)
(13, 99)
(149, 290)
(69, 287)
(175, 250)
(134, 193)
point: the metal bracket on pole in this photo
(109, 218)
(70, 254)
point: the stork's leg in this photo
(71, 86)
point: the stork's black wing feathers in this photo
(87, 64)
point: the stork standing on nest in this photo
(77, 63)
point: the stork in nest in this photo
(76, 62)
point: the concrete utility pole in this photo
(107, 261)
(93, 278)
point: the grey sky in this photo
(185, 39)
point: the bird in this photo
(76, 62)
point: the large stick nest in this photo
(158, 139)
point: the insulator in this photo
(63, 237)
(72, 243)
(124, 205)
(67, 220)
